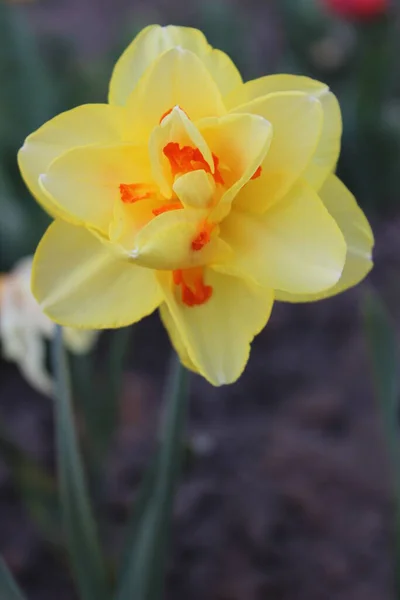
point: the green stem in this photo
(170, 459)
(380, 332)
(100, 410)
(80, 528)
(144, 562)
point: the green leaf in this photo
(143, 565)
(80, 528)
(9, 589)
(28, 98)
(16, 237)
(380, 333)
(105, 402)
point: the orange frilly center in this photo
(194, 291)
(186, 159)
(182, 160)
(132, 192)
(204, 236)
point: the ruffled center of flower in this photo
(181, 156)
(194, 291)
(186, 159)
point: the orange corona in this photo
(166, 208)
(186, 159)
(203, 237)
(194, 291)
(132, 192)
(257, 173)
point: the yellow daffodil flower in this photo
(195, 193)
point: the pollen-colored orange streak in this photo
(257, 173)
(132, 192)
(186, 159)
(203, 237)
(166, 208)
(194, 292)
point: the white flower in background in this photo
(24, 329)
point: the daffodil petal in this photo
(218, 333)
(86, 125)
(129, 219)
(327, 151)
(271, 84)
(195, 189)
(84, 182)
(175, 338)
(296, 119)
(240, 142)
(166, 242)
(295, 246)
(176, 127)
(155, 40)
(176, 78)
(79, 281)
(357, 233)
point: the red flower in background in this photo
(363, 9)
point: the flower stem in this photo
(144, 561)
(83, 545)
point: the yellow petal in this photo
(175, 338)
(296, 119)
(155, 40)
(176, 78)
(217, 334)
(166, 242)
(79, 282)
(240, 142)
(84, 182)
(82, 126)
(357, 233)
(177, 128)
(295, 246)
(195, 189)
(328, 148)
(128, 220)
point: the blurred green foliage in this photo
(26, 100)
(358, 61)
(38, 79)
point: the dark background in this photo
(287, 491)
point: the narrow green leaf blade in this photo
(380, 332)
(143, 567)
(80, 528)
(103, 400)
(23, 68)
(9, 589)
